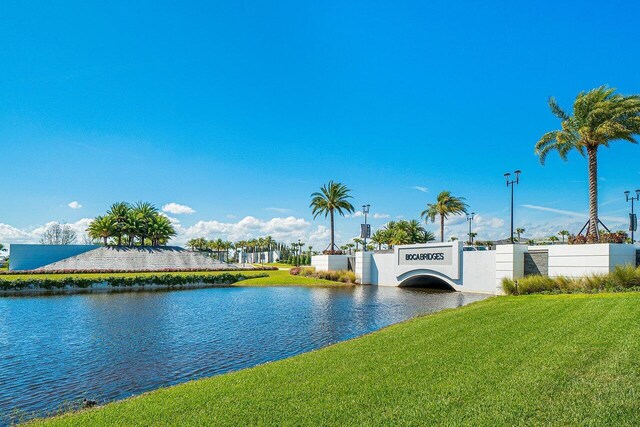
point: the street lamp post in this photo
(512, 183)
(365, 211)
(470, 220)
(632, 217)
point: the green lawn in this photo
(275, 264)
(276, 277)
(526, 360)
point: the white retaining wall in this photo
(330, 262)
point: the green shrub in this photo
(171, 280)
(622, 278)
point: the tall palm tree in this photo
(445, 205)
(160, 230)
(332, 197)
(519, 231)
(599, 117)
(563, 233)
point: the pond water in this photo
(61, 349)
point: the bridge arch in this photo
(426, 279)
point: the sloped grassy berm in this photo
(171, 280)
(569, 360)
(621, 279)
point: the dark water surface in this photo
(110, 346)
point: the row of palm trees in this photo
(132, 224)
(333, 198)
(401, 233)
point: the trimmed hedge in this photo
(171, 280)
(109, 271)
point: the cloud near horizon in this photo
(178, 209)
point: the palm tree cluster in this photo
(599, 117)
(259, 245)
(401, 233)
(218, 246)
(128, 224)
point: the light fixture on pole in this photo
(633, 222)
(470, 220)
(365, 232)
(512, 183)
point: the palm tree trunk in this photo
(592, 154)
(441, 228)
(332, 241)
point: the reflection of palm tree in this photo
(519, 231)
(332, 197)
(600, 116)
(445, 205)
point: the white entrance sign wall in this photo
(443, 258)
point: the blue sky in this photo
(240, 110)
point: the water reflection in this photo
(110, 346)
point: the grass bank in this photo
(527, 360)
(275, 277)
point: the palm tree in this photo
(378, 238)
(160, 230)
(553, 239)
(119, 213)
(600, 116)
(144, 213)
(102, 227)
(563, 233)
(445, 205)
(453, 238)
(519, 231)
(332, 197)
(358, 241)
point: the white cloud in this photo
(282, 229)
(178, 209)
(74, 205)
(420, 188)
(10, 234)
(278, 210)
(614, 219)
(381, 215)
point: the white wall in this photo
(509, 263)
(330, 262)
(383, 269)
(479, 272)
(583, 260)
(363, 267)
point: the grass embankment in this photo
(528, 360)
(276, 277)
